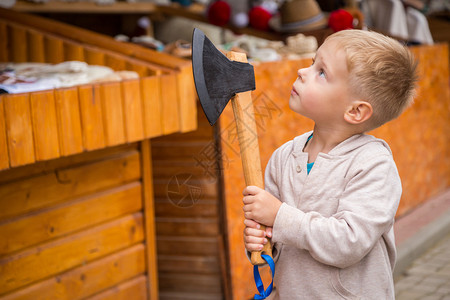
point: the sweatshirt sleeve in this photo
(366, 210)
(271, 185)
(271, 174)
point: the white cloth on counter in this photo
(29, 77)
(27, 87)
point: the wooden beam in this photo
(88, 279)
(18, 50)
(135, 289)
(43, 115)
(4, 52)
(69, 122)
(91, 117)
(152, 106)
(84, 7)
(149, 218)
(19, 129)
(170, 104)
(36, 52)
(23, 196)
(51, 258)
(4, 156)
(132, 110)
(69, 217)
(113, 122)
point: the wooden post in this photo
(4, 156)
(149, 218)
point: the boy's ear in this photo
(358, 112)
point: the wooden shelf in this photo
(193, 12)
(54, 6)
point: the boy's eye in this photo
(321, 73)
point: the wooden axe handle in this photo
(249, 147)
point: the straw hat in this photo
(298, 16)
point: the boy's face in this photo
(321, 92)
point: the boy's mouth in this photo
(294, 91)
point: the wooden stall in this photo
(76, 183)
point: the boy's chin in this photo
(291, 103)
(294, 106)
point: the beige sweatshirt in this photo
(333, 233)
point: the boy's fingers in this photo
(255, 240)
(247, 199)
(251, 223)
(269, 231)
(251, 190)
(246, 208)
(245, 192)
(253, 247)
(254, 232)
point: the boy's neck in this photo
(324, 140)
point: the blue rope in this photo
(263, 294)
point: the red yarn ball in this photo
(259, 18)
(340, 20)
(219, 13)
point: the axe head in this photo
(217, 79)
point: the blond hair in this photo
(382, 72)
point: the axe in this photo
(219, 78)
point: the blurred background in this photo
(113, 185)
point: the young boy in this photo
(332, 194)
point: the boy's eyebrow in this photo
(320, 57)
(324, 65)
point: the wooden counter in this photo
(46, 125)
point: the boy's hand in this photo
(260, 205)
(254, 237)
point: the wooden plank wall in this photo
(189, 229)
(74, 228)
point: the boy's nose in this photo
(301, 73)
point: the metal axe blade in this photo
(217, 79)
